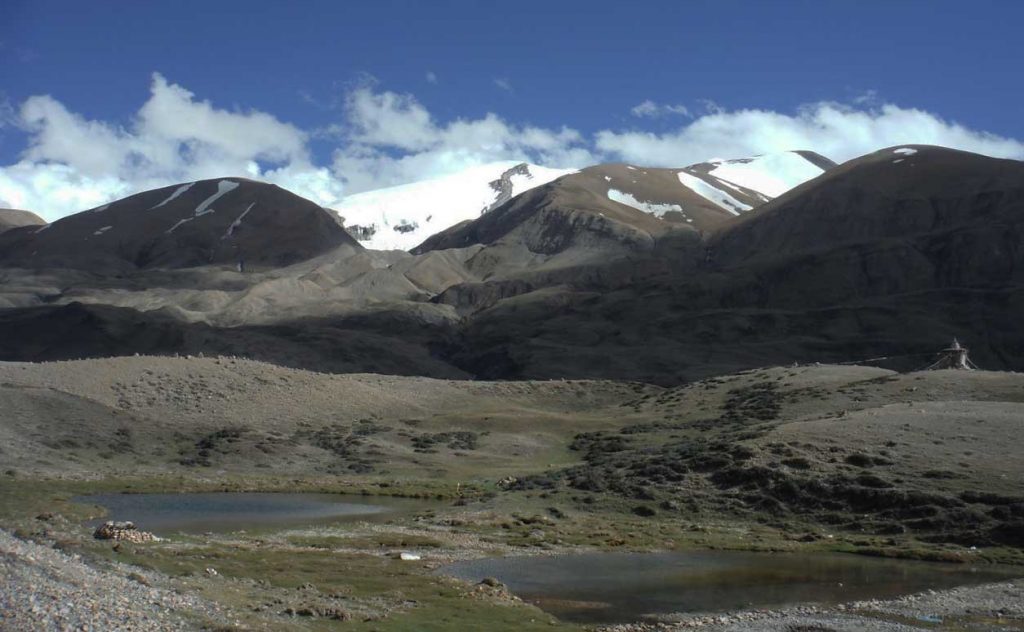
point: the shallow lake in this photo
(231, 511)
(622, 587)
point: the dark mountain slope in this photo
(900, 192)
(388, 345)
(876, 258)
(208, 222)
(883, 224)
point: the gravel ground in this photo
(1005, 599)
(997, 606)
(45, 589)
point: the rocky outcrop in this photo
(503, 185)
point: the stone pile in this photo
(123, 531)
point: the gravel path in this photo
(45, 589)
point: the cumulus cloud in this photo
(384, 138)
(58, 188)
(838, 131)
(391, 138)
(431, 77)
(650, 109)
(72, 163)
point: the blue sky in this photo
(551, 66)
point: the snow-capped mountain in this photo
(401, 217)
(604, 211)
(230, 220)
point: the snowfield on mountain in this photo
(401, 217)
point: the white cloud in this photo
(71, 163)
(90, 147)
(174, 116)
(503, 84)
(391, 139)
(388, 119)
(431, 77)
(650, 109)
(834, 130)
(385, 138)
(57, 187)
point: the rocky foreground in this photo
(44, 589)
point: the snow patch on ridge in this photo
(223, 187)
(716, 196)
(238, 222)
(658, 210)
(102, 230)
(180, 222)
(177, 192)
(906, 151)
(770, 174)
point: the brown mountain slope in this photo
(579, 209)
(12, 218)
(572, 231)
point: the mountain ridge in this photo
(890, 254)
